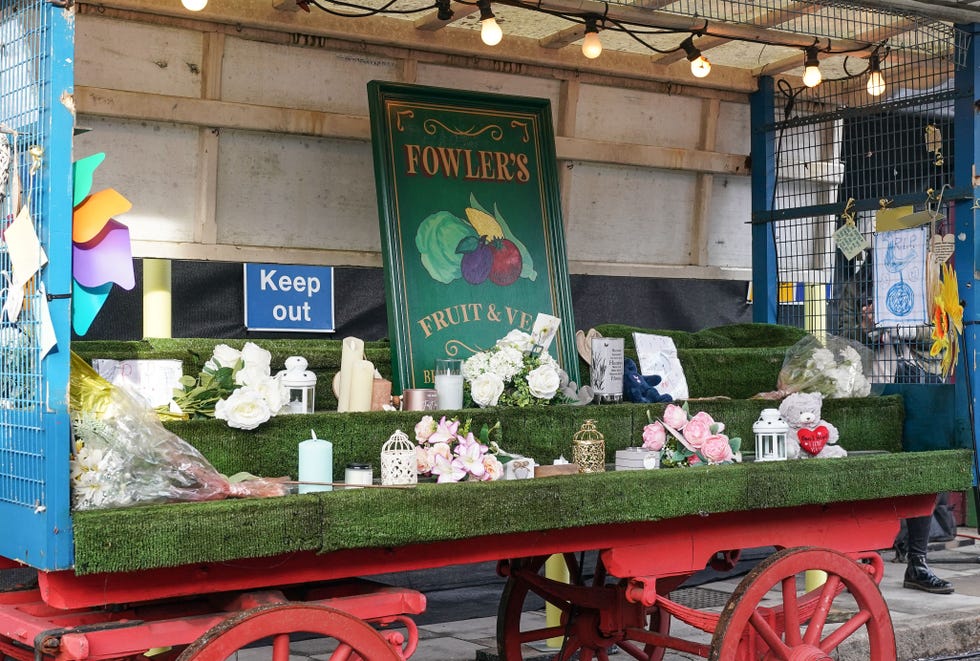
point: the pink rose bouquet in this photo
(450, 451)
(686, 440)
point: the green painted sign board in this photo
(471, 226)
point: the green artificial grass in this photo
(543, 433)
(139, 538)
(737, 361)
(732, 361)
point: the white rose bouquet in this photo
(511, 373)
(235, 386)
(831, 365)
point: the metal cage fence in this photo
(842, 156)
(36, 49)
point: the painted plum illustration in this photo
(477, 260)
(477, 249)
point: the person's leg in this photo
(918, 575)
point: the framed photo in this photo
(471, 226)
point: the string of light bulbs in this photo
(812, 75)
(491, 34)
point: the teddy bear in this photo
(809, 435)
(639, 388)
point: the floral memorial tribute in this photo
(449, 450)
(234, 386)
(122, 454)
(831, 365)
(686, 440)
(516, 372)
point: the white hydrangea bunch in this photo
(511, 374)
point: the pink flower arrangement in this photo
(692, 440)
(450, 451)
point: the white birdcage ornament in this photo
(398, 463)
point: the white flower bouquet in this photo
(123, 455)
(831, 365)
(235, 386)
(512, 373)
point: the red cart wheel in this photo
(356, 640)
(579, 621)
(794, 629)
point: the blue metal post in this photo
(966, 154)
(765, 288)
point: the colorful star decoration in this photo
(101, 250)
(947, 316)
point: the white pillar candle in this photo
(353, 351)
(449, 383)
(450, 389)
(361, 386)
(315, 464)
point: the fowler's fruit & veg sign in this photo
(471, 225)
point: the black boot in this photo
(918, 576)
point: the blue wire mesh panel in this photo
(839, 147)
(36, 126)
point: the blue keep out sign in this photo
(289, 298)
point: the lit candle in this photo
(315, 464)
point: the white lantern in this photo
(770, 436)
(398, 463)
(300, 384)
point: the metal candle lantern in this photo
(589, 449)
(770, 436)
(398, 464)
(300, 384)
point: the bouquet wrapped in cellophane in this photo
(122, 455)
(831, 365)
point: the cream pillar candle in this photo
(353, 351)
(361, 386)
(315, 464)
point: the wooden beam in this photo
(566, 125)
(278, 255)
(206, 195)
(218, 252)
(396, 38)
(701, 214)
(944, 10)
(650, 156)
(248, 117)
(563, 37)
(218, 114)
(431, 20)
(766, 19)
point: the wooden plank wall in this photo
(234, 148)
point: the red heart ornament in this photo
(813, 441)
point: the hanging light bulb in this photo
(194, 5)
(876, 82)
(490, 32)
(811, 68)
(591, 45)
(700, 66)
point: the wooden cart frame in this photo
(207, 612)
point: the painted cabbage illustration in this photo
(436, 240)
